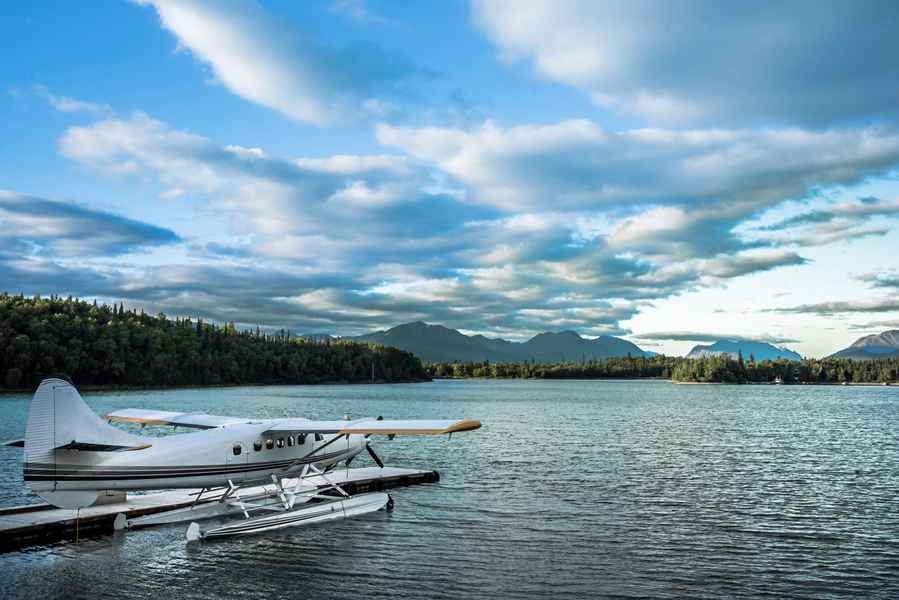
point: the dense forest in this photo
(717, 369)
(111, 346)
(100, 345)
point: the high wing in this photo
(375, 426)
(369, 426)
(180, 419)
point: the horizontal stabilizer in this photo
(178, 419)
(376, 427)
(88, 447)
(14, 443)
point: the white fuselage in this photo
(231, 454)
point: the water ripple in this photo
(571, 489)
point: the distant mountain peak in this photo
(734, 348)
(887, 339)
(546, 335)
(438, 343)
(878, 345)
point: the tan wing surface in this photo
(178, 419)
(376, 427)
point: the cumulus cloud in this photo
(838, 222)
(727, 267)
(884, 279)
(666, 194)
(33, 225)
(690, 62)
(260, 59)
(315, 209)
(66, 104)
(702, 336)
(878, 325)
(575, 164)
(843, 307)
(410, 245)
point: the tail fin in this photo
(58, 419)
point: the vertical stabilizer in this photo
(39, 433)
(58, 417)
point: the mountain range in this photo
(881, 345)
(756, 350)
(436, 343)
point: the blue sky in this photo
(666, 172)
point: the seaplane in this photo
(255, 470)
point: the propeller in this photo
(374, 456)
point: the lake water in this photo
(571, 489)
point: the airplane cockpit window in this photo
(269, 444)
(319, 437)
(290, 440)
(257, 445)
(237, 449)
(280, 442)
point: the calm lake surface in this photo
(571, 489)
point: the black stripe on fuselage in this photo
(34, 472)
(161, 468)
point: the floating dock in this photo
(42, 523)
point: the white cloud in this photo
(30, 226)
(576, 165)
(834, 222)
(261, 59)
(382, 237)
(66, 104)
(694, 61)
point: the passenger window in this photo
(301, 439)
(269, 444)
(290, 440)
(319, 437)
(280, 442)
(257, 445)
(237, 449)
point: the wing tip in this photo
(463, 425)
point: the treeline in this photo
(715, 369)
(112, 346)
(610, 368)
(829, 370)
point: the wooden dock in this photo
(42, 523)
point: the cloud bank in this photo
(409, 244)
(37, 226)
(700, 336)
(692, 62)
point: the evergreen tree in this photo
(111, 346)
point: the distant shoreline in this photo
(804, 383)
(128, 388)
(800, 383)
(115, 388)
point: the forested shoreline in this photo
(716, 369)
(102, 346)
(110, 346)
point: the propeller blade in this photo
(374, 456)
